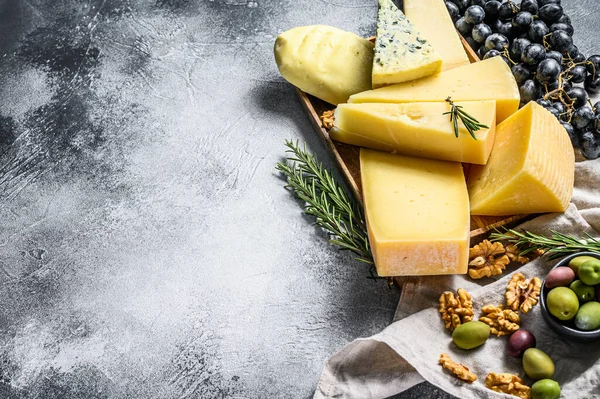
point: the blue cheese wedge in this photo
(401, 51)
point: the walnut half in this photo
(456, 309)
(461, 371)
(487, 259)
(327, 119)
(501, 321)
(508, 383)
(522, 294)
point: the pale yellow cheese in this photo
(417, 129)
(530, 170)
(417, 213)
(432, 19)
(489, 79)
(327, 62)
(402, 53)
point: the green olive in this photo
(537, 364)
(471, 335)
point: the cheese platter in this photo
(346, 158)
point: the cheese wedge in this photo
(329, 63)
(441, 34)
(489, 79)
(530, 170)
(401, 52)
(417, 129)
(417, 213)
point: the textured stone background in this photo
(147, 247)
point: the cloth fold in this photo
(407, 352)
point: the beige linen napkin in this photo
(407, 351)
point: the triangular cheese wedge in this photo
(489, 79)
(530, 170)
(417, 129)
(401, 52)
(441, 34)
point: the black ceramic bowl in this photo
(567, 329)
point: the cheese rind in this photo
(489, 79)
(442, 34)
(530, 170)
(402, 53)
(327, 62)
(417, 213)
(417, 129)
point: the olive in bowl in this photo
(569, 305)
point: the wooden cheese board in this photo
(346, 158)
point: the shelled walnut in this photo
(508, 383)
(501, 321)
(514, 254)
(522, 294)
(487, 259)
(456, 309)
(327, 119)
(461, 371)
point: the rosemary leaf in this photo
(457, 112)
(327, 202)
(556, 246)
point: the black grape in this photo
(474, 15)
(453, 10)
(550, 13)
(559, 107)
(592, 84)
(521, 73)
(571, 131)
(530, 6)
(492, 9)
(577, 74)
(481, 32)
(561, 26)
(491, 53)
(555, 55)
(529, 91)
(506, 29)
(522, 20)
(560, 41)
(496, 41)
(590, 145)
(593, 65)
(463, 26)
(506, 11)
(537, 30)
(578, 95)
(518, 45)
(548, 70)
(582, 117)
(533, 54)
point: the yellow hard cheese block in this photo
(489, 79)
(329, 63)
(441, 34)
(417, 213)
(401, 52)
(530, 170)
(417, 129)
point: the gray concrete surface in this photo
(147, 246)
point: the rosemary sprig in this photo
(471, 124)
(557, 245)
(328, 202)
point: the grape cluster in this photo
(535, 39)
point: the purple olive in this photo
(519, 342)
(560, 277)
